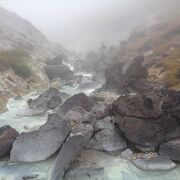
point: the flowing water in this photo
(115, 168)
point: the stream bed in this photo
(19, 117)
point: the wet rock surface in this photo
(80, 99)
(50, 99)
(7, 137)
(40, 144)
(153, 163)
(66, 155)
(84, 167)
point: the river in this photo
(19, 117)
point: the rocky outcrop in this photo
(80, 99)
(76, 118)
(7, 137)
(50, 99)
(40, 144)
(143, 121)
(58, 71)
(126, 77)
(66, 155)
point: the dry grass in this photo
(171, 65)
(15, 59)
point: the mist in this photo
(83, 25)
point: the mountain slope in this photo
(23, 51)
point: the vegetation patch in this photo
(17, 60)
(171, 66)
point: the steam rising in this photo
(83, 25)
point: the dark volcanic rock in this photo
(54, 102)
(33, 176)
(66, 155)
(154, 163)
(140, 106)
(143, 122)
(59, 71)
(40, 144)
(125, 78)
(49, 99)
(77, 100)
(171, 104)
(7, 137)
(145, 132)
(171, 149)
(100, 112)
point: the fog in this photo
(83, 25)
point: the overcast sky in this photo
(81, 24)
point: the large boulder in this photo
(57, 60)
(7, 137)
(106, 137)
(49, 99)
(40, 144)
(140, 106)
(171, 104)
(125, 77)
(155, 163)
(76, 115)
(171, 149)
(59, 71)
(143, 122)
(80, 99)
(66, 155)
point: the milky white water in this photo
(19, 117)
(75, 88)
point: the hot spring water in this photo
(19, 117)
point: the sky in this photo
(82, 24)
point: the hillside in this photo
(23, 51)
(160, 46)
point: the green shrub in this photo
(22, 70)
(15, 59)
